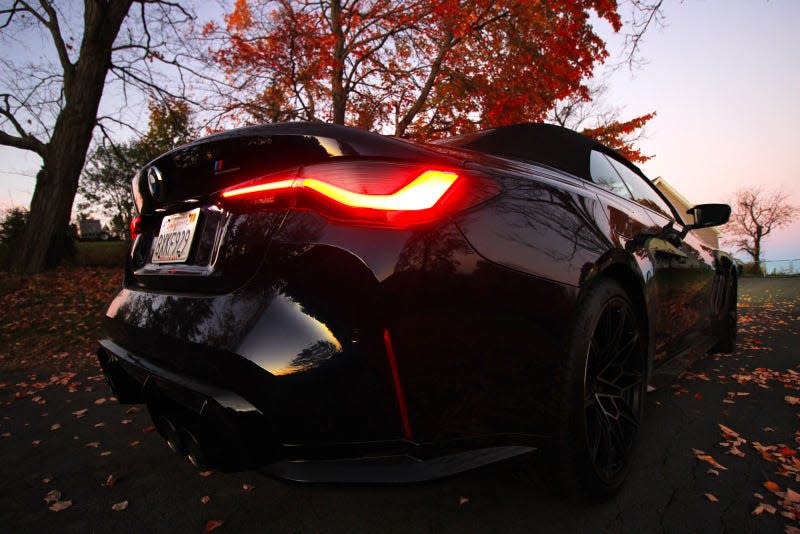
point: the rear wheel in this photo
(604, 386)
(728, 321)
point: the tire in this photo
(604, 384)
(728, 319)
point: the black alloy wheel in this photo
(614, 382)
(728, 319)
(602, 389)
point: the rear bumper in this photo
(238, 434)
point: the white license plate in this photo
(174, 241)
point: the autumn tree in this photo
(49, 103)
(589, 114)
(413, 68)
(756, 213)
(105, 185)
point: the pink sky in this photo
(724, 78)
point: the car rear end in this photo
(274, 274)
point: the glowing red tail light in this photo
(136, 227)
(368, 192)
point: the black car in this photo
(335, 305)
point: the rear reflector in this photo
(136, 227)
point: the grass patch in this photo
(99, 254)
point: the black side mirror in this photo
(706, 215)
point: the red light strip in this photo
(422, 193)
(260, 188)
(398, 386)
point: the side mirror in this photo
(706, 215)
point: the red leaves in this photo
(615, 135)
(214, 524)
(60, 505)
(702, 456)
(53, 498)
(426, 68)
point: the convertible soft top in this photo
(549, 144)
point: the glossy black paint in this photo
(278, 322)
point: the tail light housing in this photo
(365, 192)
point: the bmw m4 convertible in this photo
(330, 304)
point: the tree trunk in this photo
(64, 155)
(338, 93)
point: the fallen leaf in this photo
(712, 472)
(120, 506)
(247, 487)
(110, 481)
(52, 496)
(768, 429)
(792, 400)
(728, 432)
(787, 451)
(463, 500)
(80, 413)
(99, 425)
(60, 505)
(700, 455)
(205, 499)
(55, 426)
(45, 481)
(698, 396)
(133, 409)
(101, 400)
(105, 453)
(93, 444)
(711, 497)
(126, 421)
(134, 443)
(736, 452)
(214, 524)
(148, 429)
(792, 496)
(772, 486)
(36, 442)
(758, 510)
(205, 473)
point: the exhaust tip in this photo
(194, 451)
(171, 434)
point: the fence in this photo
(781, 267)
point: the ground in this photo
(61, 432)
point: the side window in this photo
(642, 191)
(604, 175)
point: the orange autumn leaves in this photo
(421, 69)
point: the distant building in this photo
(709, 236)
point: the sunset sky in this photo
(724, 78)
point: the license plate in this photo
(174, 240)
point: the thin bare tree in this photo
(49, 100)
(756, 213)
